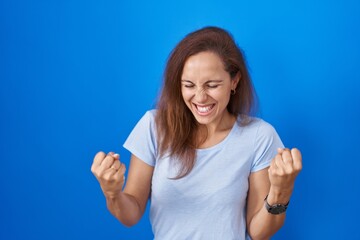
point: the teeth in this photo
(204, 109)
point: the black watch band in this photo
(276, 208)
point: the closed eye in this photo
(212, 86)
(188, 85)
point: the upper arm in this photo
(259, 186)
(138, 183)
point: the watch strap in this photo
(276, 208)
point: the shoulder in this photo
(151, 113)
(265, 137)
(149, 116)
(257, 132)
(263, 127)
(146, 122)
(256, 125)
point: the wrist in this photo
(275, 209)
(113, 195)
(279, 196)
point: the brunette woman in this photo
(210, 169)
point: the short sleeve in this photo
(267, 141)
(142, 141)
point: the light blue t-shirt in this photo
(210, 202)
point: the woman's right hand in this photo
(109, 171)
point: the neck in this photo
(211, 134)
(225, 123)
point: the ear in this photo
(235, 80)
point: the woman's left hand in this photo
(284, 168)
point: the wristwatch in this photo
(276, 208)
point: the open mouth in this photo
(204, 109)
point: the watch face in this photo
(277, 209)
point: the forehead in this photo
(203, 64)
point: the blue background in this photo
(76, 76)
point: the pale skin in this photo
(206, 89)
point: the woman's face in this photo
(206, 88)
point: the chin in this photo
(204, 120)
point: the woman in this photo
(210, 170)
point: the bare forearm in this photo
(264, 224)
(125, 208)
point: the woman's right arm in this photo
(128, 205)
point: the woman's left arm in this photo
(277, 183)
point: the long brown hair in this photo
(177, 128)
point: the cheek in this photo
(186, 94)
(221, 96)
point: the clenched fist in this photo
(109, 171)
(284, 168)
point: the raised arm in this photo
(126, 205)
(276, 182)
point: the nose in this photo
(201, 95)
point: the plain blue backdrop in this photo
(76, 76)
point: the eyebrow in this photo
(209, 81)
